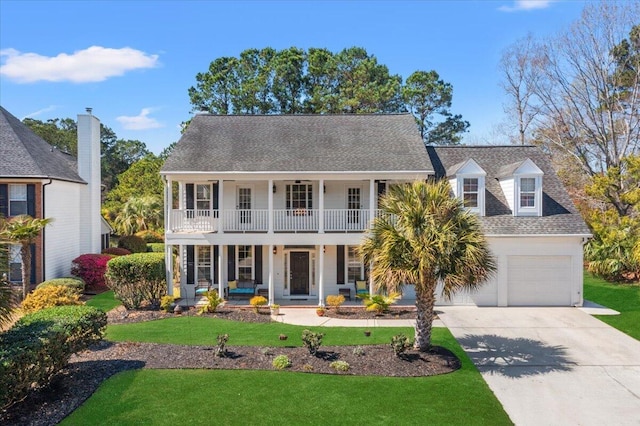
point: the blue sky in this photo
(133, 61)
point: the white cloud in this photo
(40, 111)
(141, 121)
(93, 64)
(526, 5)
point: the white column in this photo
(321, 206)
(372, 200)
(321, 276)
(271, 289)
(168, 260)
(182, 201)
(183, 277)
(221, 206)
(220, 270)
(371, 286)
(270, 207)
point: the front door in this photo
(299, 275)
(353, 205)
(244, 205)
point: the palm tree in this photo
(139, 214)
(426, 237)
(23, 230)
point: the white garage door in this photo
(539, 280)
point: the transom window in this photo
(17, 199)
(299, 197)
(245, 262)
(355, 266)
(527, 192)
(470, 192)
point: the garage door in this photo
(539, 280)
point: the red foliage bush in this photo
(116, 251)
(91, 268)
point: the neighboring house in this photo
(282, 202)
(39, 180)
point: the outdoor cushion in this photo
(233, 285)
(239, 290)
(201, 290)
(361, 285)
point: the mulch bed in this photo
(88, 369)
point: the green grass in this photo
(206, 397)
(104, 301)
(624, 298)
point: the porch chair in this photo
(361, 288)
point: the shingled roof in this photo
(559, 215)
(299, 143)
(26, 155)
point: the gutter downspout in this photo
(44, 278)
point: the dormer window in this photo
(521, 184)
(467, 181)
(527, 192)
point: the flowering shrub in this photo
(116, 251)
(91, 268)
(257, 301)
(48, 297)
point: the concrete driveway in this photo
(552, 366)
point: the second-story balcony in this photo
(281, 220)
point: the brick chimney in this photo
(89, 171)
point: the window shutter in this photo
(340, 264)
(31, 200)
(214, 196)
(231, 263)
(257, 250)
(33, 263)
(382, 189)
(4, 200)
(190, 265)
(189, 189)
(216, 267)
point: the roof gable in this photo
(27, 155)
(468, 167)
(526, 167)
(299, 143)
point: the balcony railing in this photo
(257, 220)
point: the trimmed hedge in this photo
(133, 244)
(72, 282)
(116, 251)
(39, 346)
(48, 297)
(138, 278)
(155, 247)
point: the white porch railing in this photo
(257, 220)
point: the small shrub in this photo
(166, 302)
(400, 343)
(213, 301)
(312, 340)
(39, 345)
(340, 365)
(378, 302)
(256, 302)
(267, 351)
(116, 251)
(358, 351)
(150, 236)
(91, 268)
(221, 350)
(133, 243)
(307, 367)
(281, 362)
(155, 247)
(137, 278)
(75, 283)
(335, 301)
(48, 297)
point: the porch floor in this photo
(311, 302)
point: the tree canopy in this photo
(318, 81)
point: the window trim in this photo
(460, 193)
(348, 263)
(308, 199)
(253, 261)
(536, 209)
(12, 200)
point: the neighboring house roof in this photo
(559, 215)
(299, 143)
(26, 155)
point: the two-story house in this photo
(282, 201)
(41, 181)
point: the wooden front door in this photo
(299, 275)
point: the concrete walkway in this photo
(552, 366)
(308, 316)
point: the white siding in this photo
(62, 237)
(507, 186)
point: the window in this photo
(15, 264)
(355, 266)
(17, 199)
(203, 197)
(299, 197)
(470, 192)
(527, 192)
(204, 263)
(245, 263)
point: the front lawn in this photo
(624, 298)
(270, 397)
(104, 301)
